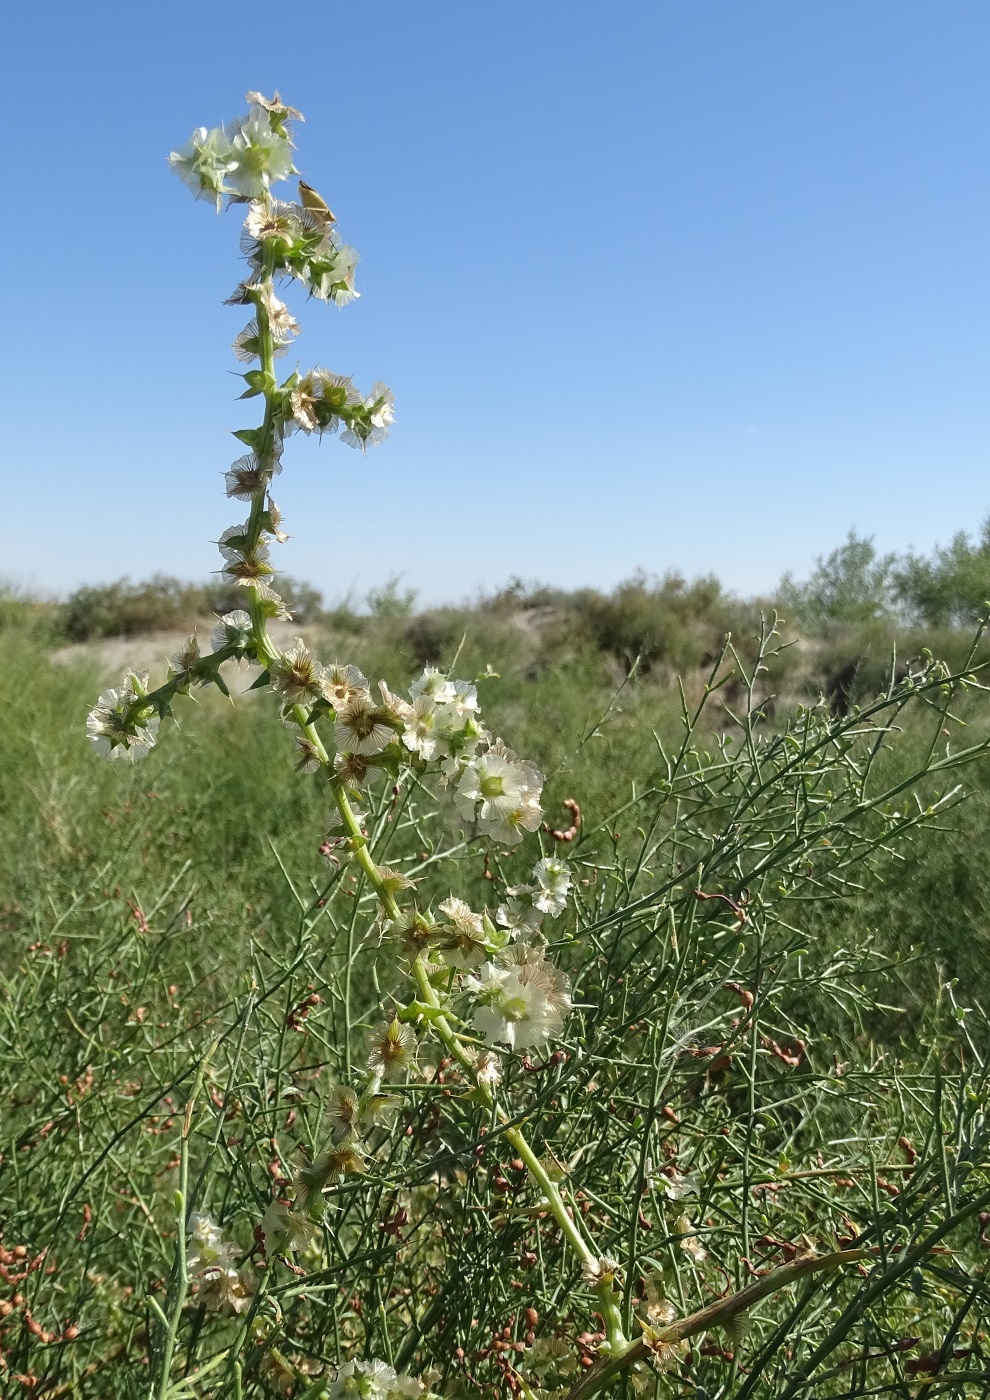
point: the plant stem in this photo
(180, 1270)
(607, 1295)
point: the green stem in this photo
(181, 1272)
(607, 1295)
(661, 1340)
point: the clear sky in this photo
(693, 284)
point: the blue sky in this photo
(692, 284)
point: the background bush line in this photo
(856, 615)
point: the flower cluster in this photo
(352, 1117)
(372, 1380)
(292, 240)
(243, 159)
(522, 998)
(483, 979)
(210, 1259)
(119, 725)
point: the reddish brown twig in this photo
(569, 834)
(738, 907)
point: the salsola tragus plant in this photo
(605, 1124)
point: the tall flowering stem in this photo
(494, 970)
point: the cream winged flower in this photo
(380, 404)
(296, 675)
(283, 324)
(518, 914)
(259, 156)
(522, 999)
(356, 770)
(248, 345)
(274, 106)
(362, 727)
(253, 567)
(343, 1113)
(392, 1048)
(689, 1241)
(305, 401)
(249, 475)
(271, 222)
(233, 630)
(508, 827)
(464, 701)
(331, 277)
(115, 731)
(487, 1068)
(284, 1229)
(420, 731)
(554, 881)
(372, 1380)
(397, 708)
(433, 683)
(326, 1169)
(490, 784)
(343, 683)
(464, 943)
(203, 162)
(225, 1291)
(320, 398)
(207, 1247)
(500, 792)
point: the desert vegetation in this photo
(349, 1051)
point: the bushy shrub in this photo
(951, 587)
(163, 603)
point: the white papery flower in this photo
(508, 828)
(487, 1068)
(419, 734)
(259, 157)
(435, 684)
(362, 726)
(242, 565)
(331, 276)
(203, 162)
(356, 770)
(247, 477)
(342, 683)
(522, 999)
(464, 701)
(285, 1229)
(518, 915)
(392, 1048)
(599, 1270)
(247, 345)
(494, 782)
(283, 324)
(296, 675)
(381, 402)
(264, 222)
(554, 880)
(689, 1242)
(464, 943)
(676, 1185)
(225, 1291)
(185, 658)
(304, 400)
(113, 733)
(233, 629)
(506, 821)
(207, 1248)
(372, 1380)
(398, 709)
